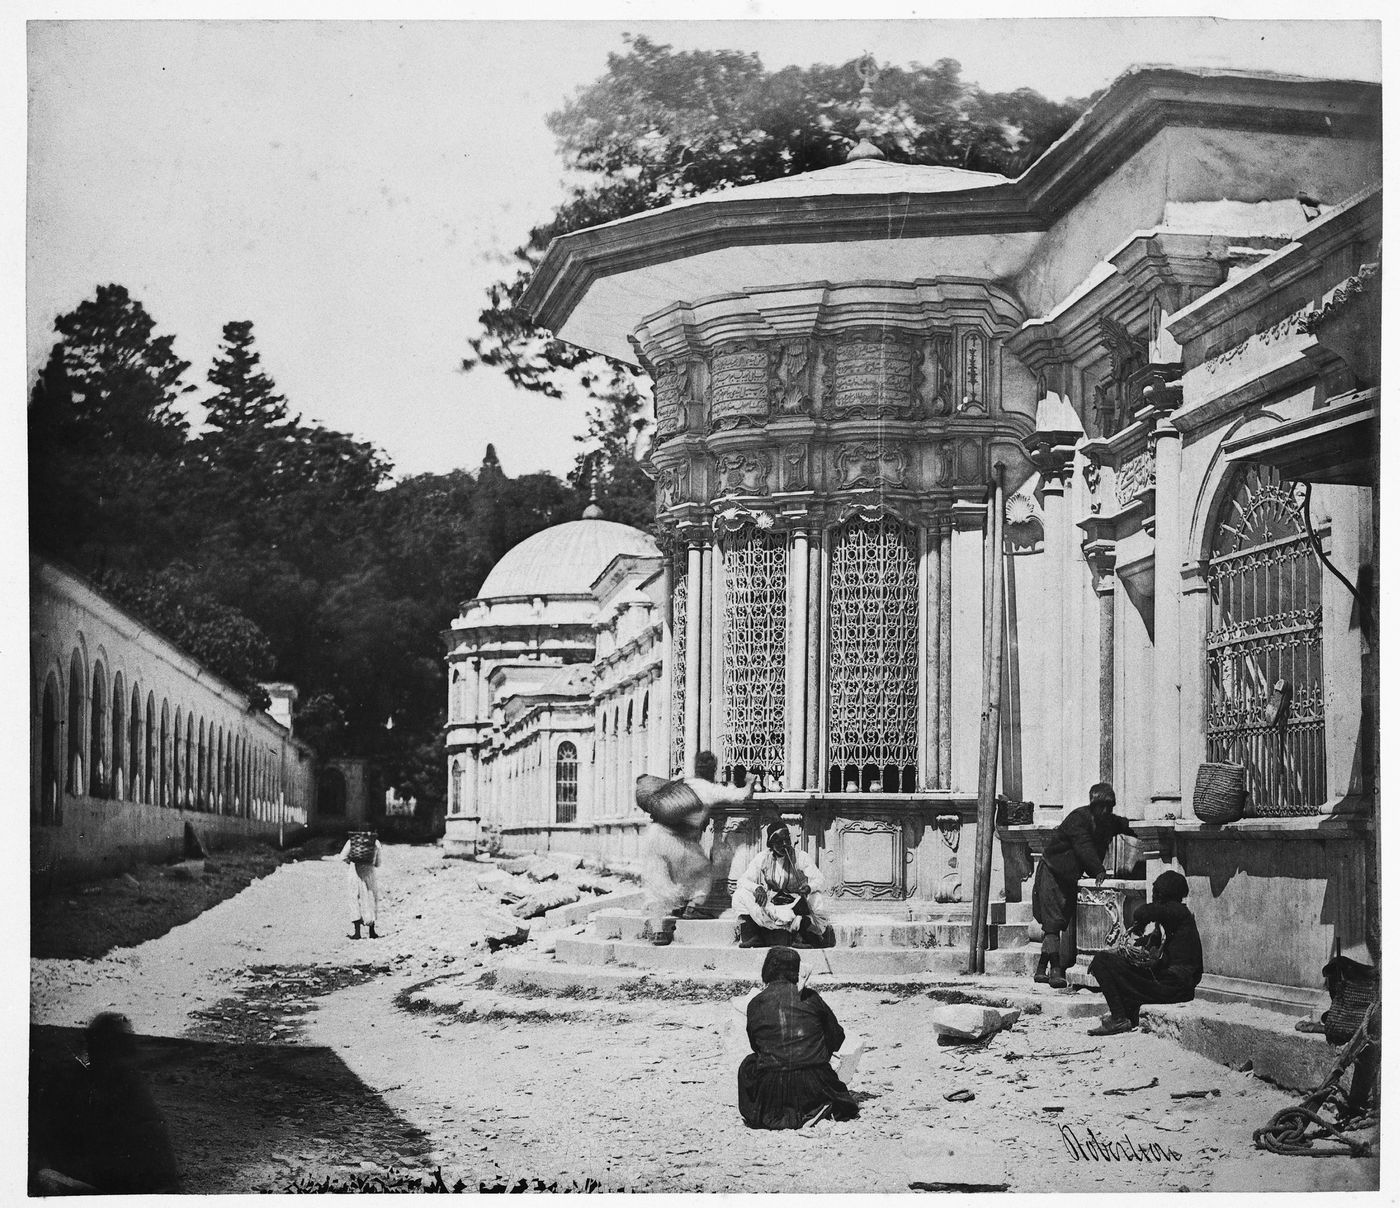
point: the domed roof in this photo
(563, 560)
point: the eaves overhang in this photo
(1013, 214)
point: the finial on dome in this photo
(592, 511)
(869, 72)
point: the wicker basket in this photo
(361, 847)
(1353, 987)
(1219, 793)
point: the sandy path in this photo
(635, 1095)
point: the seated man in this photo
(778, 899)
(1173, 978)
(787, 1081)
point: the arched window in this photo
(454, 696)
(77, 711)
(177, 761)
(1264, 648)
(134, 770)
(163, 785)
(873, 657)
(201, 771)
(646, 702)
(50, 755)
(119, 771)
(191, 768)
(331, 793)
(97, 734)
(566, 783)
(152, 772)
(456, 796)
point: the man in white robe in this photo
(779, 898)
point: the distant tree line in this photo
(265, 546)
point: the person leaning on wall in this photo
(1076, 849)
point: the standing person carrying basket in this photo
(676, 872)
(362, 853)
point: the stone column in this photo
(1101, 562)
(945, 652)
(712, 711)
(816, 610)
(694, 613)
(795, 762)
(1056, 465)
(1167, 654)
(968, 622)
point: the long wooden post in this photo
(991, 736)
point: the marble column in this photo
(1101, 562)
(968, 622)
(694, 613)
(816, 610)
(945, 652)
(712, 708)
(1167, 654)
(928, 659)
(795, 762)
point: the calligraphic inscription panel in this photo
(872, 376)
(667, 392)
(738, 387)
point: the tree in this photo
(105, 433)
(659, 126)
(610, 468)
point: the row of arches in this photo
(102, 737)
(622, 751)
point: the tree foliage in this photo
(661, 125)
(264, 546)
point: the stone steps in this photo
(852, 931)
(726, 960)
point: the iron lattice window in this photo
(678, 639)
(1266, 642)
(873, 659)
(566, 783)
(755, 653)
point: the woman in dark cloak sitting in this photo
(787, 1081)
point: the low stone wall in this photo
(607, 840)
(101, 838)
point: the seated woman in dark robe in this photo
(1173, 978)
(787, 1081)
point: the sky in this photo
(353, 187)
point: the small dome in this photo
(563, 560)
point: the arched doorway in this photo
(49, 756)
(331, 794)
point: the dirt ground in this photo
(288, 1056)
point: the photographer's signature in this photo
(1093, 1148)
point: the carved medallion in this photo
(742, 473)
(795, 469)
(1134, 476)
(870, 465)
(738, 388)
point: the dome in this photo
(563, 560)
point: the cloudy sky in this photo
(353, 187)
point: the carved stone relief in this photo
(674, 392)
(738, 388)
(792, 392)
(870, 378)
(974, 371)
(870, 465)
(671, 485)
(795, 469)
(1137, 474)
(937, 390)
(742, 473)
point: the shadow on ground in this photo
(248, 1117)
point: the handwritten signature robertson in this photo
(1096, 1149)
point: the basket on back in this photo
(1219, 793)
(362, 847)
(672, 803)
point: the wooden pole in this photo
(974, 939)
(991, 734)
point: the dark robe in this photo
(1174, 978)
(788, 1076)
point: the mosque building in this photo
(1131, 393)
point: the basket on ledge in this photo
(1219, 795)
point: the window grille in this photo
(678, 606)
(566, 783)
(1265, 643)
(873, 661)
(754, 653)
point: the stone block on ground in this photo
(562, 894)
(970, 1023)
(515, 865)
(500, 931)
